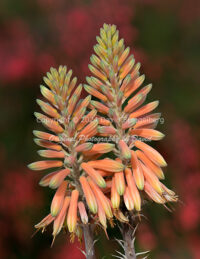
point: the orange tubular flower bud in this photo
(45, 181)
(45, 222)
(107, 165)
(125, 150)
(94, 175)
(89, 195)
(47, 178)
(148, 133)
(47, 144)
(115, 198)
(126, 68)
(102, 148)
(51, 153)
(58, 199)
(82, 212)
(57, 179)
(103, 121)
(42, 165)
(101, 198)
(95, 93)
(84, 147)
(151, 153)
(120, 182)
(133, 103)
(153, 194)
(133, 189)
(145, 109)
(100, 107)
(137, 171)
(51, 124)
(47, 94)
(155, 168)
(83, 104)
(134, 85)
(48, 109)
(58, 222)
(79, 115)
(72, 212)
(148, 120)
(107, 130)
(151, 178)
(97, 73)
(73, 100)
(46, 136)
(128, 199)
(102, 215)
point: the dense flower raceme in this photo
(115, 83)
(89, 188)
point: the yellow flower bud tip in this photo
(72, 212)
(94, 175)
(115, 197)
(128, 199)
(58, 199)
(120, 182)
(125, 151)
(102, 215)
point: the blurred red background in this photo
(164, 37)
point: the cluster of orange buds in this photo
(90, 187)
(127, 122)
(67, 148)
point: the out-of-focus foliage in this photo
(164, 37)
